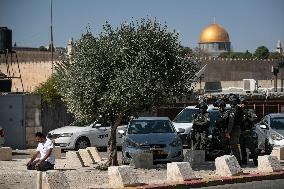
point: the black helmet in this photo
(202, 106)
(234, 99)
(219, 103)
(243, 100)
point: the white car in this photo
(2, 139)
(80, 137)
(184, 119)
(271, 131)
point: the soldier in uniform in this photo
(200, 126)
(247, 139)
(234, 126)
(222, 125)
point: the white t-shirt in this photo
(43, 147)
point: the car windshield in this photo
(277, 123)
(150, 126)
(186, 116)
(78, 124)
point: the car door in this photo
(100, 134)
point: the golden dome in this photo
(214, 33)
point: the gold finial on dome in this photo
(214, 33)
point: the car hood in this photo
(68, 129)
(153, 138)
(280, 131)
(186, 126)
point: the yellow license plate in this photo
(158, 152)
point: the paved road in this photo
(265, 184)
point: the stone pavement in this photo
(13, 175)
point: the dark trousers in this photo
(44, 166)
(246, 141)
(235, 143)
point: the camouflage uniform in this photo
(246, 139)
(222, 126)
(200, 126)
(234, 129)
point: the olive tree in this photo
(124, 71)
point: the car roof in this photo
(152, 118)
(276, 115)
(210, 107)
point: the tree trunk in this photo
(112, 148)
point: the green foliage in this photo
(42, 48)
(261, 52)
(48, 91)
(186, 51)
(125, 71)
(234, 55)
(275, 55)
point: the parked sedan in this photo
(82, 136)
(152, 134)
(2, 139)
(271, 131)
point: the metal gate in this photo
(12, 120)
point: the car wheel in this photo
(82, 143)
(267, 147)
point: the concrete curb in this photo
(196, 183)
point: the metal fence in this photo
(263, 109)
(260, 109)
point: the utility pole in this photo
(51, 36)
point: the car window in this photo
(150, 126)
(186, 116)
(277, 123)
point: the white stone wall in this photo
(32, 73)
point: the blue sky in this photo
(250, 23)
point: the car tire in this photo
(267, 147)
(82, 143)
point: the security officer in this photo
(234, 126)
(200, 126)
(222, 122)
(247, 139)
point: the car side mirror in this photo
(180, 130)
(263, 127)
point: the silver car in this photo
(154, 134)
(271, 131)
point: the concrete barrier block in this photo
(278, 152)
(268, 163)
(195, 157)
(142, 160)
(227, 166)
(121, 176)
(5, 154)
(86, 157)
(95, 154)
(73, 160)
(179, 172)
(57, 152)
